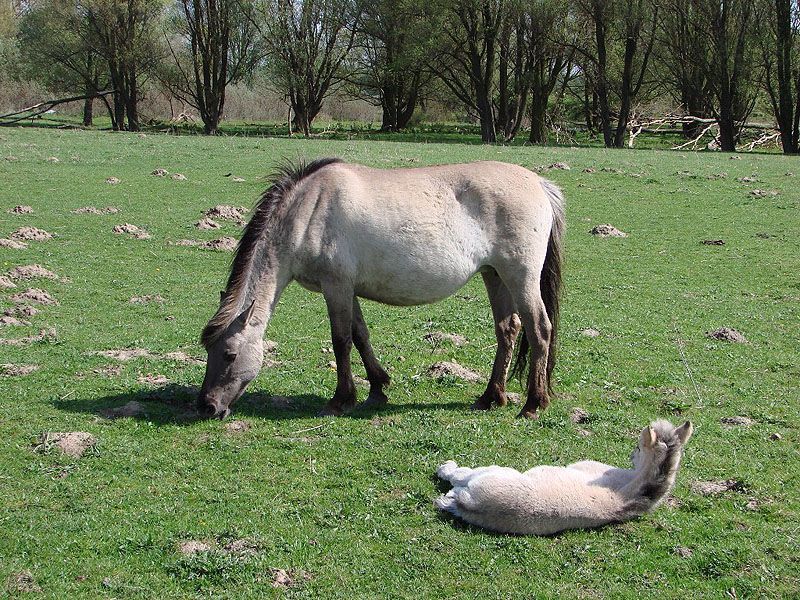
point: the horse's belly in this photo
(407, 287)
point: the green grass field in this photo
(344, 506)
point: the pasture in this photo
(288, 504)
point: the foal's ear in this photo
(245, 316)
(648, 437)
(684, 432)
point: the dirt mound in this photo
(132, 230)
(237, 179)
(283, 579)
(12, 244)
(73, 443)
(752, 179)
(6, 283)
(763, 193)
(131, 409)
(93, 210)
(437, 337)
(607, 230)
(31, 272)
(726, 334)
(113, 180)
(178, 177)
(109, 371)
(125, 354)
(186, 243)
(44, 334)
(21, 209)
(31, 234)
(590, 332)
(9, 370)
(6, 321)
(21, 310)
(452, 369)
(146, 299)
(579, 415)
(237, 427)
(223, 211)
(713, 242)
(713, 488)
(34, 295)
(181, 356)
(224, 244)
(190, 547)
(207, 223)
(160, 172)
(152, 379)
(737, 421)
(561, 166)
(22, 583)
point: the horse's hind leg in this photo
(537, 327)
(506, 329)
(378, 378)
(340, 312)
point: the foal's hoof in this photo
(528, 414)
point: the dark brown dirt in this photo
(442, 369)
(21, 310)
(34, 295)
(207, 223)
(160, 172)
(737, 421)
(73, 443)
(132, 230)
(713, 242)
(579, 415)
(12, 322)
(726, 334)
(561, 166)
(223, 211)
(31, 272)
(607, 230)
(31, 234)
(225, 244)
(21, 209)
(12, 244)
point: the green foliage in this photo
(343, 506)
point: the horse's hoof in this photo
(528, 414)
(374, 400)
(481, 404)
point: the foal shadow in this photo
(175, 404)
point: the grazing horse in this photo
(401, 237)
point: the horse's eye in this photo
(229, 356)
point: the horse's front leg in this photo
(340, 313)
(377, 376)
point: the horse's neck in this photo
(638, 479)
(267, 280)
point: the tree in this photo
(467, 61)
(390, 56)
(216, 46)
(782, 78)
(56, 49)
(123, 34)
(308, 42)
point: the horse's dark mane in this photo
(269, 206)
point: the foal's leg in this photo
(340, 313)
(375, 374)
(528, 299)
(506, 329)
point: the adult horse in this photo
(400, 237)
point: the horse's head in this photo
(235, 355)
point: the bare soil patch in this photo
(124, 354)
(21, 310)
(147, 299)
(224, 211)
(6, 321)
(186, 243)
(130, 409)
(73, 443)
(181, 356)
(34, 295)
(607, 230)
(236, 427)
(9, 370)
(113, 180)
(132, 230)
(726, 334)
(93, 210)
(178, 177)
(44, 334)
(713, 488)
(21, 209)
(224, 244)
(31, 272)
(160, 172)
(12, 244)
(109, 371)
(763, 193)
(31, 234)
(437, 337)
(737, 421)
(713, 242)
(453, 369)
(579, 415)
(561, 166)
(207, 223)
(6, 283)
(153, 379)
(283, 579)
(590, 332)
(190, 547)
(22, 583)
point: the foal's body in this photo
(400, 237)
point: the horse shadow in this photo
(175, 404)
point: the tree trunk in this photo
(538, 120)
(486, 114)
(625, 92)
(602, 69)
(727, 128)
(389, 105)
(785, 117)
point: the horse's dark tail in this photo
(550, 285)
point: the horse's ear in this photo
(245, 316)
(648, 437)
(684, 432)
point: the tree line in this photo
(504, 63)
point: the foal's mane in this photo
(266, 212)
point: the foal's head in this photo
(235, 355)
(660, 445)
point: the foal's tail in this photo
(550, 283)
